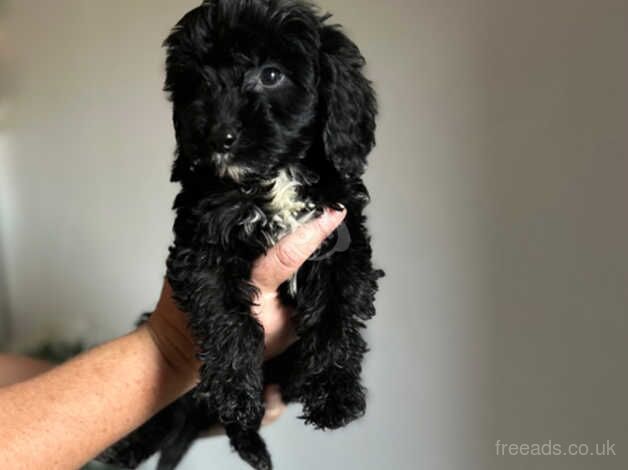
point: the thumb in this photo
(287, 256)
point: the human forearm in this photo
(63, 418)
(14, 369)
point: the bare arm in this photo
(63, 418)
(14, 369)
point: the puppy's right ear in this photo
(186, 46)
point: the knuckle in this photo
(288, 256)
(322, 231)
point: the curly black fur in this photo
(274, 120)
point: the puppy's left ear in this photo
(348, 102)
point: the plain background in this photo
(499, 212)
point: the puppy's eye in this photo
(271, 76)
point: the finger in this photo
(285, 258)
(278, 323)
(275, 406)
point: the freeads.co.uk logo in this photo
(555, 449)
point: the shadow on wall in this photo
(4, 86)
(5, 317)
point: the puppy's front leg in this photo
(231, 343)
(231, 381)
(217, 299)
(230, 376)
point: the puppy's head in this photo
(256, 84)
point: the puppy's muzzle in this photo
(223, 138)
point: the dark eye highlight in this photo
(271, 76)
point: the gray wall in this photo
(499, 212)
(5, 194)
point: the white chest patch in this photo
(287, 211)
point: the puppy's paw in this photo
(233, 401)
(258, 461)
(241, 408)
(333, 404)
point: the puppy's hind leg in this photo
(250, 446)
(145, 441)
(174, 449)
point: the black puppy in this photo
(274, 121)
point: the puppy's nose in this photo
(224, 138)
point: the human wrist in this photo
(176, 350)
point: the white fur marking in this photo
(286, 207)
(225, 168)
(251, 222)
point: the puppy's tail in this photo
(172, 431)
(190, 420)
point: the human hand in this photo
(168, 325)
(278, 266)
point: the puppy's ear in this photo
(185, 49)
(348, 103)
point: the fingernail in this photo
(330, 218)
